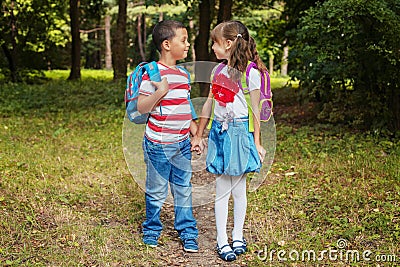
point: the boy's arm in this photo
(147, 103)
(193, 128)
(204, 118)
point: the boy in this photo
(166, 144)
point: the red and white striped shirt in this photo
(169, 121)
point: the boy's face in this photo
(179, 44)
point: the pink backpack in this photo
(266, 103)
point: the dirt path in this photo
(170, 248)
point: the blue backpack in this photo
(132, 90)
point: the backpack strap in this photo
(153, 71)
(251, 65)
(193, 111)
(216, 71)
(245, 85)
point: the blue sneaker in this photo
(190, 245)
(150, 240)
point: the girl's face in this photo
(221, 48)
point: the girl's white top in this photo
(238, 107)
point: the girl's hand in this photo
(203, 144)
(261, 152)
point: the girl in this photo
(233, 151)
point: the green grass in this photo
(86, 74)
(68, 199)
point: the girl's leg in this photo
(239, 205)
(223, 192)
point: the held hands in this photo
(198, 144)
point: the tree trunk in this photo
(140, 36)
(284, 64)
(224, 11)
(271, 63)
(119, 43)
(108, 57)
(11, 63)
(11, 54)
(75, 73)
(394, 106)
(192, 40)
(201, 43)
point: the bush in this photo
(349, 55)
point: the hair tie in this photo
(238, 35)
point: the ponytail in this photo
(240, 54)
(255, 57)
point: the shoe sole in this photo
(239, 251)
(190, 250)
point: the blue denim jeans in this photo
(169, 164)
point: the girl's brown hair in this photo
(255, 57)
(240, 37)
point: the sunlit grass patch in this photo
(85, 74)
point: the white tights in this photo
(225, 185)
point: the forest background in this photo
(344, 54)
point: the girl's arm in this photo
(255, 100)
(147, 103)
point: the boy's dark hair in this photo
(165, 30)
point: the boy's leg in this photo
(157, 173)
(181, 188)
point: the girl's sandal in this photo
(226, 256)
(241, 248)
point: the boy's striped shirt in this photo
(169, 121)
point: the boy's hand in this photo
(197, 144)
(161, 86)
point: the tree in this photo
(349, 55)
(108, 56)
(92, 12)
(119, 45)
(75, 73)
(21, 39)
(201, 45)
(10, 51)
(224, 10)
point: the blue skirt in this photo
(232, 151)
